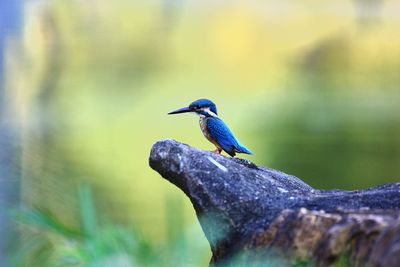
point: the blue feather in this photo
(242, 149)
(219, 132)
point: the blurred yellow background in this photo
(311, 87)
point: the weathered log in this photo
(253, 214)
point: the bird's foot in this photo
(217, 151)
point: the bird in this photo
(213, 128)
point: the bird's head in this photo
(202, 107)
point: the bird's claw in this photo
(217, 151)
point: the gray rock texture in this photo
(253, 214)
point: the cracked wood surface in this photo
(255, 213)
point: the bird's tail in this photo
(242, 149)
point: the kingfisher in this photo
(213, 128)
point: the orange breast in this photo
(203, 127)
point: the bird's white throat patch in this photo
(209, 112)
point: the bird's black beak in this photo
(181, 110)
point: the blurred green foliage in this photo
(47, 241)
(311, 87)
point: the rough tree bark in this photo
(253, 214)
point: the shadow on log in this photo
(254, 215)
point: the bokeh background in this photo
(311, 87)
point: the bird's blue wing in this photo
(222, 135)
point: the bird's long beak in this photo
(181, 110)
